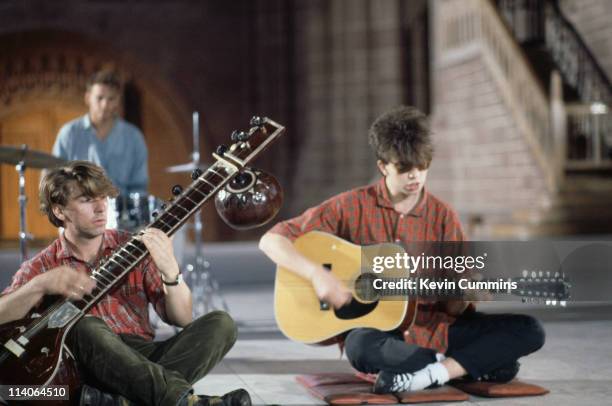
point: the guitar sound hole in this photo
(364, 287)
(355, 309)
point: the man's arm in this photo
(63, 281)
(178, 301)
(59, 147)
(282, 252)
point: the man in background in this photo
(104, 138)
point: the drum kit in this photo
(23, 157)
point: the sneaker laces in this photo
(401, 382)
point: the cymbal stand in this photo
(23, 201)
(206, 293)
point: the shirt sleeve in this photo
(325, 217)
(154, 289)
(140, 171)
(26, 273)
(60, 148)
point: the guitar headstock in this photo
(543, 288)
(246, 145)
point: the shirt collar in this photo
(65, 252)
(88, 126)
(383, 199)
(87, 122)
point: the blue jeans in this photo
(485, 345)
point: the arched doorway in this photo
(44, 75)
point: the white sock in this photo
(440, 357)
(432, 374)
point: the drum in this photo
(132, 212)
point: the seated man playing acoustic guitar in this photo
(113, 343)
(448, 339)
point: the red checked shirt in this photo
(366, 216)
(126, 309)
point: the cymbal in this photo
(31, 157)
(188, 167)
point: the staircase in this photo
(527, 60)
(551, 43)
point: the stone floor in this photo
(575, 363)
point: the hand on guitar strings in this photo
(329, 289)
(67, 282)
(162, 252)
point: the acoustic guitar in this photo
(302, 317)
(33, 350)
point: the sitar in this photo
(33, 350)
(303, 317)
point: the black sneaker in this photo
(91, 396)
(238, 397)
(388, 382)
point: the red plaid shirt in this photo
(366, 216)
(126, 309)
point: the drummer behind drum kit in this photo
(250, 200)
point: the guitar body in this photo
(300, 314)
(45, 362)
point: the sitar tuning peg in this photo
(197, 172)
(256, 121)
(177, 190)
(239, 136)
(221, 150)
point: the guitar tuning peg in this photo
(524, 299)
(525, 273)
(556, 274)
(540, 274)
(554, 302)
(548, 274)
(155, 214)
(547, 302)
(534, 274)
(563, 303)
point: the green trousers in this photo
(150, 372)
